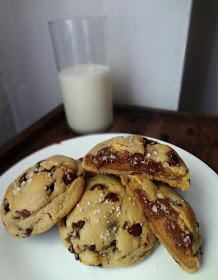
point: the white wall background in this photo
(147, 41)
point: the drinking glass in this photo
(81, 53)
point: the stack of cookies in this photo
(112, 207)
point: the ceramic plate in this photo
(43, 257)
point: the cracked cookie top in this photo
(42, 195)
(106, 228)
(135, 154)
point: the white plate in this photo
(43, 257)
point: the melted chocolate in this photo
(160, 209)
(78, 226)
(28, 231)
(91, 247)
(24, 213)
(157, 209)
(173, 158)
(111, 197)
(135, 162)
(183, 240)
(135, 230)
(69, 178)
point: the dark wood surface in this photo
(197, 134)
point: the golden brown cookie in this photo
(107, 228)
(42, 195)
(171, 218)
(135, 154)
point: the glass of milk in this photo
(80, 49)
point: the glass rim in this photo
(78, 19)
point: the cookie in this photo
(135, 154)
(107, 228)
(42, 196)
(171, 218)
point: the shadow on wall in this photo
(199, 91)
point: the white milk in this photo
(87, 96)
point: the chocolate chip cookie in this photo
(171, 218)
(42, 196)
(135, 154)
(106, 228)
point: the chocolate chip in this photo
(91, 247)
(28, 231)
(76, 256)
(78, 226)
(71, 249)
(173, 158)
(22, 179)
(6, 206)
(69, 178)
(113, 243)
(24, 213)
(147, 141)
(97, 186)
(68, 238)
(51, 187)
(111, 197)
(136, 229)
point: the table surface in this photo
(197, 134)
